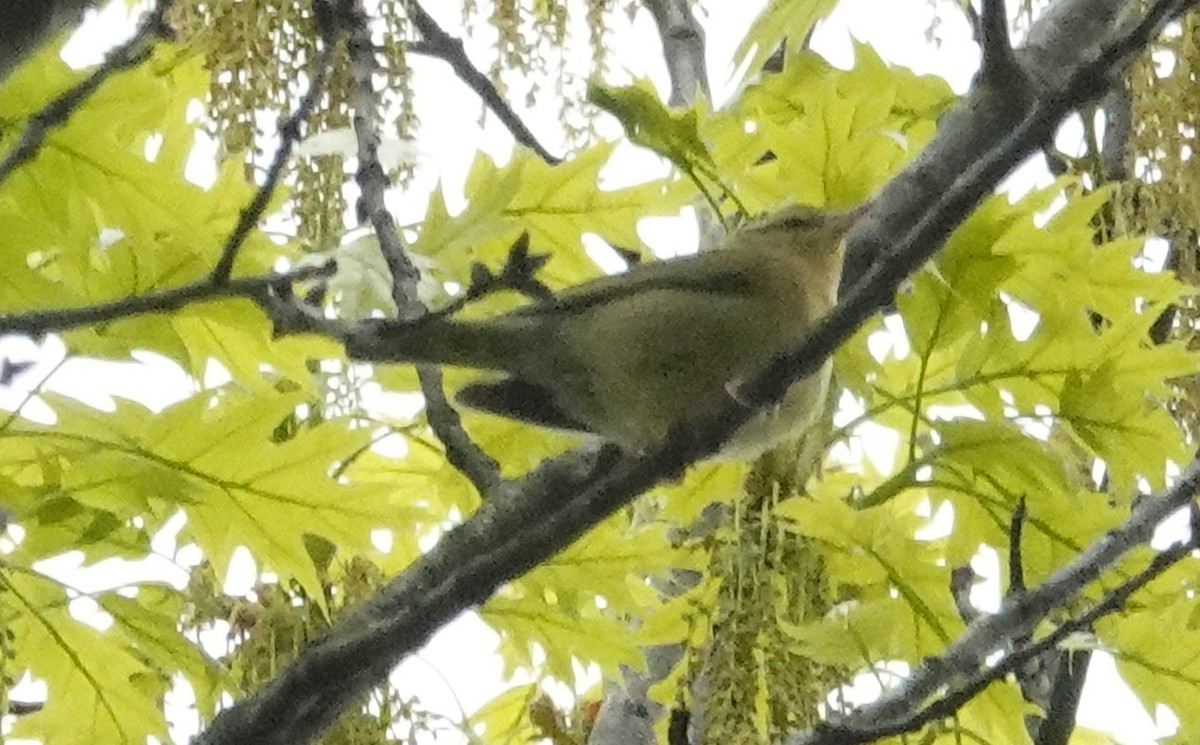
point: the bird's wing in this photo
(705, 273)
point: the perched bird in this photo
(632, 355)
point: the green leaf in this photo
(149, 622)
(214, 457)
(647, 122)
(99, 687)
(558, 204)
(781, 20)
(505, 718)
(1161, 673)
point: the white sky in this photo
(468, 673)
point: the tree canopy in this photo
(1013, 381)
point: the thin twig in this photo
(973, 20)
(437, 43)
(40, 322)
(57, 112)
(1044, 680)
(962, 579)
(462, 452)
(269, 291)
(959, 694)
(517, 275)
(1016, 564)
(370, 175)
(289, 135)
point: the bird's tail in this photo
(498, 344)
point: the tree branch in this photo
(437, 43)
(253, 288)
(683, 49)
(370, 175)
(1066, 691)
(462, 452)
(1136, 530)
(529, 520)
(999, 66)
(1118, 128)
(54, 114)
(521, 524)
(1016, 564)
(1051, 681)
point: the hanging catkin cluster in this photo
(259, 52)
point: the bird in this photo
(630, 356)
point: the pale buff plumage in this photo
(631, 355)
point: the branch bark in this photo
(683, 49)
